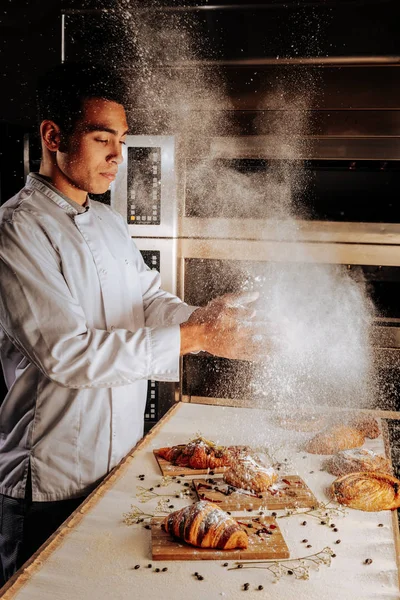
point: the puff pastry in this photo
(367, 424)
(357, 459)
(206, 526)
(249, 474)
(334, 439)
(367, 491)
(198, 454)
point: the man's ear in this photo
(51, 135)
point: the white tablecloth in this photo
(95, 559)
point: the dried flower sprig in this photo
(324, 512)
(146, 494)
(299, 567)
(136, 515)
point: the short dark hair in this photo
(62, 90)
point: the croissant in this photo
(357, 459)
(248, 474)
(206, 526)
(367, 491)
(197, 454)
(334, 439)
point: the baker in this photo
(83, 322)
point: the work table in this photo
(94, 554)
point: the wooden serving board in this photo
(296, 494)
(168, 469)
(264, 546)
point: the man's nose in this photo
(116, 155)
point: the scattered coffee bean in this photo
(249, 525)
(285, 459)
(260, 587)
(274, 514)
(338, 541)
(240, 566)
(332, 525)
(261, 512)
(200, 577)
(212, 472)
(225, 565)
(196, 574)
(136, 567)
(178, 481)
(323, 522)
(304, 523)
(304, 541)
(147, 527)
(228, 513)
(308, 546)
(368, 561)
(149, 566)
(246, 586)
(165, 569)
(335, 529)
(157, 570)
(249, 509)
(333, 555)
(311, 472)
(181, 476)
(151, 489)
(158, 485)
(380, 524)
(171, 506)
(290, 572)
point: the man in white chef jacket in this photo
(83, 322)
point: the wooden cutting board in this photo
(263, 546)
(295, 494)
(168, 469)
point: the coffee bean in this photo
(171, 506)
(240, 566)
(157, 570)
(147, 527)
(323, 522)
(380, 524)
(200, 577)
(260, 587)
(304, 523)
(165, 569)
(149, 566)
(304, 541)
(335, 529)
(290, 572)
(225, 565)
(338, 541)
(196, 574)
(308, 546)
(274, 514)
(368, 561)
(333, 555)
(137, 567)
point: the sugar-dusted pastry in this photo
(357, 459)
(334, 439)
(198, 454)
(367, 424)
(247, 473)
(206, 526)
(369, 491)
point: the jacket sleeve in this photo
(46, 323)
(160, 308)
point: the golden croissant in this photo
(357, 459)
(206, 526)
(249, 474)
(334, 439)
(367, 491)
(197, 454)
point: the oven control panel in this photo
(144, 186)
(152, 410)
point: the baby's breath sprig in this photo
(299, 567)
(324, 512)
(136, 515)
(146, 494)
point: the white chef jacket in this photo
(83, 326)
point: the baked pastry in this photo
(206, 526)
(247, 473)
(357, 459)
(198, 454)
(367, 424)
(367, 491)
(334, 439)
